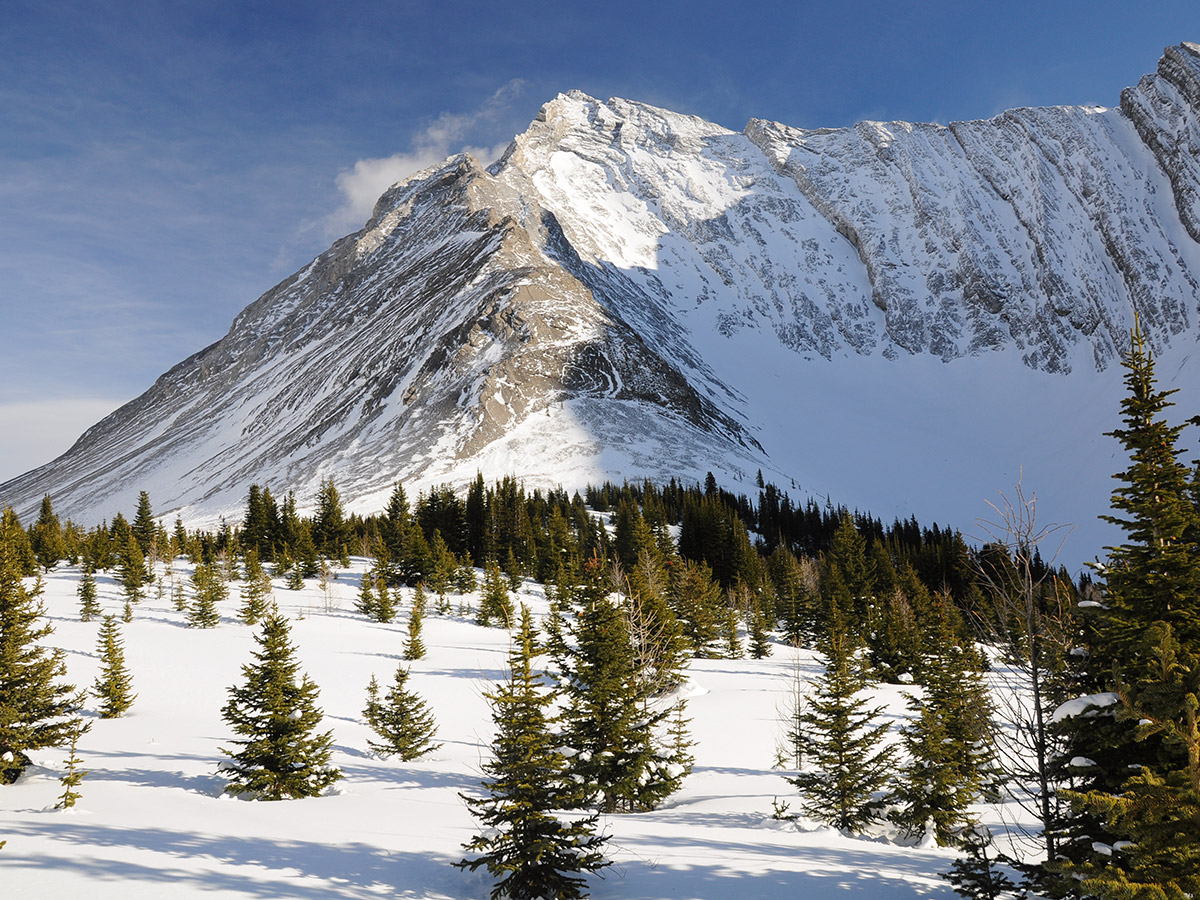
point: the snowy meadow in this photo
(154, 820)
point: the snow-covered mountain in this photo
(904, 317)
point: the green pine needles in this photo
(207, 591)
(36, 709)
(846, 759)
(278, 753)
(527, 843)
(401, 719)
(89, 608)
(113, 686)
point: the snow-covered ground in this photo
(153, 821)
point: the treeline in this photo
(713, 557)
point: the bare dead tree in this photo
(1028, 619)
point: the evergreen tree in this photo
(896, 652)
(366, 603)
(527, 844)
(36, 709)
(207, 591)
(74, 776)
(20, 550)
(394, 534)
(88, 607)
(1155, 819)
(975, 875)
(797, 583)
(1151, 588)
(760, 638)
(1155, 575)
(465, 582)
(178, 600)
(385, 600)
(729, 628)
(143, 528)
(660, 649)
(610, 723)
(418, 558)
(414, 647)
(304, 552)
(441, 576)
(698, 604)
(512, 571)
(848, 557)
(260, 527)
(47, 537)
(294, 577)
(330, 529)
(274, 712)
(402, 720)
(131, 572)
(949, 740)
(113, 685)
(495, 606)
(847, 761)
(256, 589)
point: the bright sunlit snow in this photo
(153, 822)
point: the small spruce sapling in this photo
(207, 591)
(401, 719)
(88, 607)
(414, 646)
(113, 685)
(74, 776)
(974, 874)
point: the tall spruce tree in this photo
(47, 537)
(207, 591)
(401, 719)
(1151, 588)
(330, 531)
(527, 844)
(89, 608)
(846, 760)
(131, 569)
(1154, 821)
(36, 709)
(143, 527)
(278, 755)
(949, 740)
(256, 589)
(113, 686)
(610, 721)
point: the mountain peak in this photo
(634, 292)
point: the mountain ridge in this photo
(630, 292)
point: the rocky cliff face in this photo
(632, 292)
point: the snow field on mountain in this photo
(153, 821)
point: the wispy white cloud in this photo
(448, 134)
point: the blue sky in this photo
(164, 163)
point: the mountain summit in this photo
(906, 317)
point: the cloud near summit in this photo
(448, 134)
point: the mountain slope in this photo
(907, 317)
